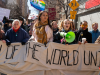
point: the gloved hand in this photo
(23, 43)
(8, 43)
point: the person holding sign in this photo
(83, 33)
(64, 27)
(16, 34)
(42, 30)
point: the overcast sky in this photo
(33, 10)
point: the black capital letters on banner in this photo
(33, 52)
(55, 55)
(95, 60)
(48, 60)
(63, 57)
(99, 61)
(68, 60)
(0, 47)
(13, 51)
(27, 48)
(74, 55)
(86, 57)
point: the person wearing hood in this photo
(95, 32)
(6, 25)
(83, 33)
(10, 23)
(21, 19)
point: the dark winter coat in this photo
(54, 34)
(6, 27)
(25, 27)
(83, 34)
(20, 36)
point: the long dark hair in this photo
(72, 26)
(39, 19)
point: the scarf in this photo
(40, 32)
(15, 30)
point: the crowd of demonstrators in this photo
(42, 30)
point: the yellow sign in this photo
(74, 4)
(73, 14)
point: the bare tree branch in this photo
(15, 11)
(63, 5)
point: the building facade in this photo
(24, 7)
(89, 10)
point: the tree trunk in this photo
(66, 11)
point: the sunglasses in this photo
(84, 25)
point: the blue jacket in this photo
(20, 36)
(95, 35)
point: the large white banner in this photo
(4, 12)
(55, 59)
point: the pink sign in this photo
(4, 12)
